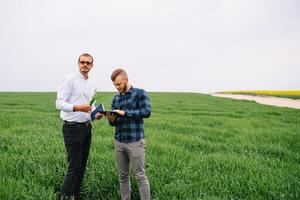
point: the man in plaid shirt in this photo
(132, 105)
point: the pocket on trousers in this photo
(142, 143)
(71, 134)
(118, 146)
(70, 128)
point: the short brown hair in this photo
(86, 55)
(117, 72)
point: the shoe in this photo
(60, 196)
(78, 196)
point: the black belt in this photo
(77, 123)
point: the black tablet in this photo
(108, 112)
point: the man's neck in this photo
(128, 87)
(85, 75)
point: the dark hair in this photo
(86, 55)
(117, 72)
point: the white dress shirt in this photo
(74, 90)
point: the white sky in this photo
(164, 45)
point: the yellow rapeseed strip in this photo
(282, 93)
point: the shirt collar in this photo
(128, 92)
(80, 75)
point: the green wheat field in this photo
(198, 147)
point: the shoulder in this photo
(70, 77)
(116, 97)
(141, 93)
(138, 90)
(66, 80)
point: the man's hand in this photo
(83, 108)
(120, 112)
(110, 117)
(98, 116)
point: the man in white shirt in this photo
(73, 98)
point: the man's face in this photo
(120, 83)
(85, 64)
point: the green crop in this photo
(198, 147)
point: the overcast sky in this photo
(164, 45)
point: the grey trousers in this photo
(132, 154)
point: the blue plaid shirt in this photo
(136, 104)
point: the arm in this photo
(63, 94)
(144, 110)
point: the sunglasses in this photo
(85, 62)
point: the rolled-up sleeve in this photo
(63, 94)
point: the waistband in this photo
(77, 123)
(129, 141)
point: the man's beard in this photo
(124, 89)
(85, 70)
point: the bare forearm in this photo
(82, 108)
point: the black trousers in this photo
(77, 138)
